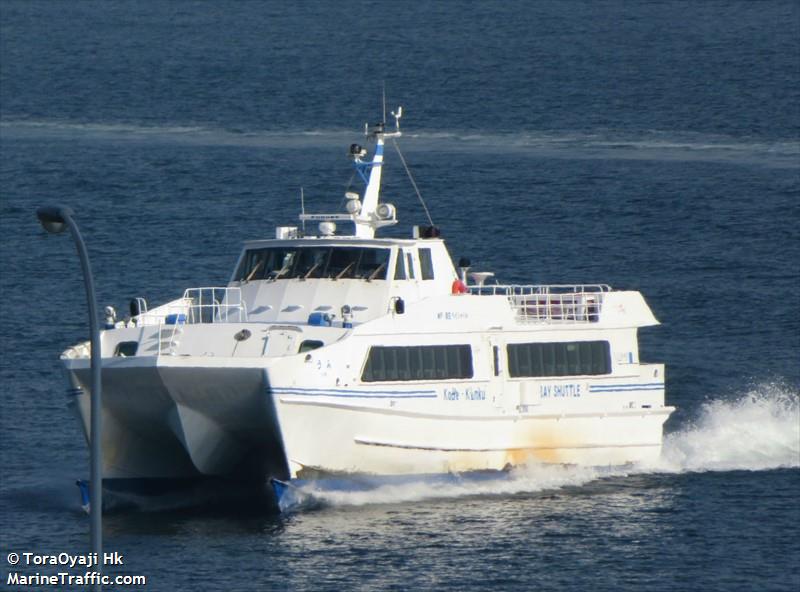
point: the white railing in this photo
(215, 305)
(197, 306)
(550, 303)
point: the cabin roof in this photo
(318, 241)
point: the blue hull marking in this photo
(354, 394)
(621, 388)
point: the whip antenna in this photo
(303, 210)
(383, 96)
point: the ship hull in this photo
(353, 439)
(175, 420)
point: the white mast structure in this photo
(367, 214)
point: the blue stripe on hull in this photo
(618, 388)
(354, 394)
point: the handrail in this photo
(550, 303)
(525, 289)
(204, 305)
(199, 306)
(215, 305)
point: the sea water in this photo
(652, 146)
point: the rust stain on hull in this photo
(526, 456)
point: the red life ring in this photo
(459, 287)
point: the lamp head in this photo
(54, 218)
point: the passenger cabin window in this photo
(559, 359)
(308, 262)
(420, 362)
(426, 264)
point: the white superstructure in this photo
(354, 354)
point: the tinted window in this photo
(277, 263)
(311, 263)
(308, 345)
(400, 267)
(426, 264)
(422, 362)
(410, 262)
(126, 349)
(559, 359)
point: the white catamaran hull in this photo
(353, 440)
(181, 421)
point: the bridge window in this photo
(559, 359)
(420, 362)
(400, 266)
(410, 262)
(281, 263)
(426, 264)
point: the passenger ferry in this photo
(331, 353)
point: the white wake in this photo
(578, 144)
(758, 431)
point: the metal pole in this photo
(53, 219)
(96, 429)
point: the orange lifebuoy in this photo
(459, 287)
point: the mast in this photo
(367, 213)
(373, 214)
(369, 206)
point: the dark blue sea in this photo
(648, 145)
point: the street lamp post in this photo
(56, 219)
